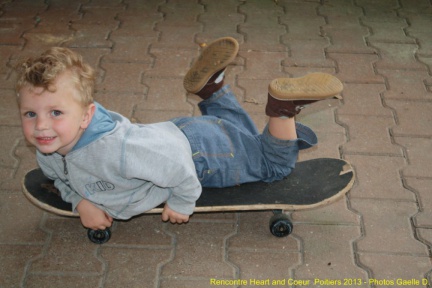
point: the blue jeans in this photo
(228, 149)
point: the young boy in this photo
(109, 168)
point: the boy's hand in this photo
(92, 217)
(172, 216)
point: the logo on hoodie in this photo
(99, 186)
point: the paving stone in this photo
(170, 62)
(413, 268)
(66, 281)
(261, 17)
(427, 60)
(175, 282)
(20, 221)
(328, 146)
(253, 235)
(265, 23)
(144, 231)
(131, 49)
(40, 42)
(378, 10)
(378, 177)
(131, 84)
(417, 158)
(116, 101)
(356, 68)
(130, 267)
(262, 65)
(65, 4)
(349, 38)
(256, 93)
(397, 56)
(383, 220)
(296, 71)
(175, 38)
(335, 213)
(100, 16)
(364, 99)
(425, 235)
(13, 24)
(296, 8)
(340, 11)
(6, 53)
(301, 30)
(415, 7)
(406, 84)
(91, 36)
(57, 21)
(194, 240)
(24, 154)
(267, 41)
(254, 268)
(6, 144)
(214, 12)
(137, 5)
(418, 29)
(180, 12)
(388, 29)
(133, 25)
(422, 189)
(320, 117)
(319, 259)
(14, 259)
(364, 128)
(414, 118)
(308, 53)
(67, 236)
(6, 173)
(161, 96)
(154, 116)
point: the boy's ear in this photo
(88, 115)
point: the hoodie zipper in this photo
(65, 170)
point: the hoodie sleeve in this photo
(66, 192)
(162, 156)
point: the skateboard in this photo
(312, 184)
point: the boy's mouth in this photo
(45, 140)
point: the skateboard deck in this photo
(312, 184)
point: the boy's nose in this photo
(42, 123)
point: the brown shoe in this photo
(204, 77)
(288, 96)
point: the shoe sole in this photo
(314, 86)
(215, 57)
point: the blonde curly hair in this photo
(42, 72)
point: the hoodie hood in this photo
(100, 124)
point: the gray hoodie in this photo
(126, 169)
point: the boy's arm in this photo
(92, 217)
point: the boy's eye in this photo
(56, 113)
(30, 114)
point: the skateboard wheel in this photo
(280, 225)
(99, 236)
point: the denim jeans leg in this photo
(281, 155)
(223, 104)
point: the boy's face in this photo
(54, 121)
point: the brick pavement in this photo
(381, 50)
